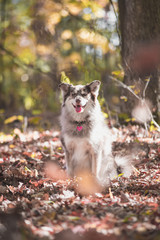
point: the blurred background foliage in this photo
(41, 41)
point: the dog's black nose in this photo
(78, 101)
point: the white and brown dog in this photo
(86, 139)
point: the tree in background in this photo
(140, 50)
(40, 39)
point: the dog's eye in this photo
(84, 94)
(73, 94)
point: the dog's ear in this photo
(94, 87)
(64, 87)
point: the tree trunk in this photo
(140, 50)
(2, 42)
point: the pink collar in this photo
(79, 125)
(79, 128)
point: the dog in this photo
(86, 139)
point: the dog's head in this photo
(80, 97)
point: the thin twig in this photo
(125, 86)
(127, 65)
(144, 91)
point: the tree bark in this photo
(140, 50)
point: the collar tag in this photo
(79, 128)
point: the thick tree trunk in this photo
(140, 39)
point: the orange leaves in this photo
(38, 183)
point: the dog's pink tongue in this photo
(78, 109)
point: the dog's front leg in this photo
(69, 164)
(68, 150)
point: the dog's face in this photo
(80, 97)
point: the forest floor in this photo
(38, 201)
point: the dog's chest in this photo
(79, 148)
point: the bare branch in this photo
(142, 100)
(125, 86)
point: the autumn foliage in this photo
(39, 201)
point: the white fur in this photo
(91, 148)
(125, 164)
(80, 146)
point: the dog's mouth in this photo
(79, 108)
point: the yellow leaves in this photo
(132, 86)
(64, 78)
(28, 102)
(1, 111)
(35, 120)
(43, 49)
(94, 5)
(102, 101)
(90, 37)
(49, 7)
(66, 46)
(64, 13)
(137, 91)
(100, 13)
(53, 20)
(26, 169)
(43, 65)
(26, 55)
(84, 34)
(74, 8)
(66, 34)
(152, 127)
(74, 58)
(86, 3)
(14, 118)
(118, 74)
(105, 115)
(130, 120)
(147, 79)
(103, 3)
(87, 17)
(96, 11)
(124, 98)
(5, 137)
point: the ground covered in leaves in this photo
(38, 201)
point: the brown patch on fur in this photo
(93, 97)
(66, 96)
